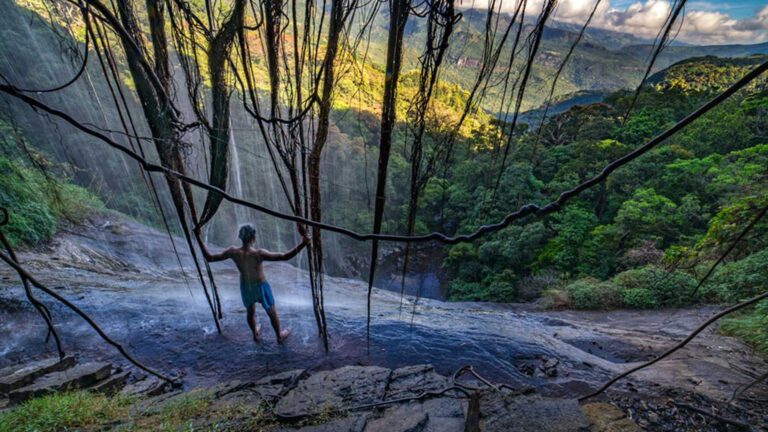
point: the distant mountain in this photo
(610, 39)
(673, 54)
(562, 104)
(604, 60)
(706, 74)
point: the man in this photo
(254, 287)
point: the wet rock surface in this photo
(12, 378)
(126, 277)
(404, 380)
(79, 376)
(508, 412)
(332, 390)
(409, 399)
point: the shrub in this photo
(590, 293)
(31, 220)
(496, 289)
(751, 326)
(74, 203)
(674, 288)
(459, 290)
(667, 288)
(38, 205)
(738, 280)
(555, 299)
(639, 298)
(532, 287)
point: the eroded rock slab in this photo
(16, 377)
(156, 404)
(112, 384)
(354, 423)
(149, 386)
(334, 390)
(80, 376)
(444, 414)
(508, 413)
(400, 419)
(411, 380)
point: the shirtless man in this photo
(254, 287)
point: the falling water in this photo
(239, 218)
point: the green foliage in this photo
(591, 293)
(499, 287)
(565, 251)
(703, 74)
(63, 411)
(731, 220)
(39, 204)
(648, 214)
(739, 280)
(31, 220)
(639, 298)
(751, 326)
(655, 286)
(678, 205)
(645, 123)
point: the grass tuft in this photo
(64, 411)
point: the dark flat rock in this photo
(509, 413)
(149, 386)
(80, 376)
(400, 419)
(16, 377)
(443, 414)
(111, 385)
(287, 378)
(347, 424)
(334, 390)
(220, 391)
(155, 404)
(411, 380)
(268, 389)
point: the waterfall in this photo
(238, 177)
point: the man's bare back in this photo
(249, 261)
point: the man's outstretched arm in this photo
(207, 254)
(276, 256)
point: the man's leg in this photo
(251, 316)
(275, 320)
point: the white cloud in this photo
(703, 23)
(714, 28)
(759, 22)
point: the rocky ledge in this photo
(414, 398)
(367, 399)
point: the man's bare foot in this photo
(256, 335)
(283, 336)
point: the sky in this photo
(705, 22)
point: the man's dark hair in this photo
(247, 233)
